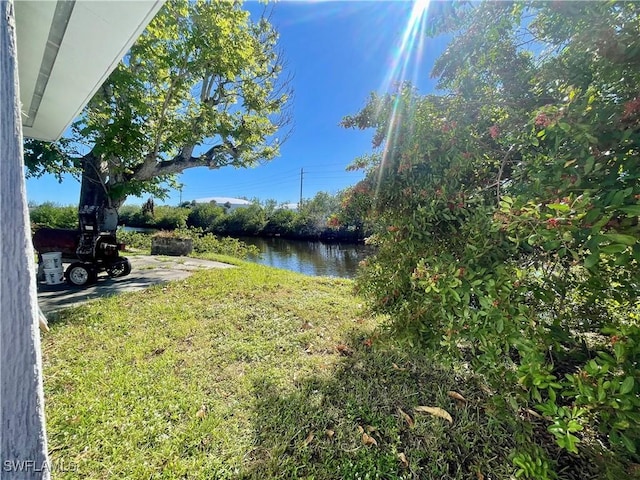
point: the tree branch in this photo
(218, 156)
(502, 165)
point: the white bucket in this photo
(52, 260)
(54, 276)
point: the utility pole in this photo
(301, 176)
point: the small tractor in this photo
(91, 249)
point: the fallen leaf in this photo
(456, 396)
(479, 475)
(407, 418)
(533, 413)
(360, 429)
(367, 440)
(367, 342)
(202, 412)
(435, 411)
(309, 348)
(403, 459)
(485, 389)
(309, 439)
(396, 367)
(307, 326)
(342, 349)
(330, 433)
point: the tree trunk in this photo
(94, 182)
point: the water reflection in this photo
(310, 258)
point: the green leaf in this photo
(559, 207)
(623, 259)
(628, 443)
(632, 210)
(627, 386)
(614, 248)
(589, 165)
(592, 260)
(606, 357)
(592, 215)
(621, 238)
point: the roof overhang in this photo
(66, 50)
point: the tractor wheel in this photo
(80, 274)
(119, 269)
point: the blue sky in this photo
(338, 52)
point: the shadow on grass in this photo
(360, 422)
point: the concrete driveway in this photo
(146, 271)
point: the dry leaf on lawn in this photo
(485, 389)
(330, 433)
(456, 396)
(479, 475)
(435, 411)
(403, 459)
(533, 413)
(202, 412)
(343, 349)
(407, 418)
(396, 367)
(309, 439)
(367, 440)
(360, 429)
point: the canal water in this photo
(310, 257)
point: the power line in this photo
(301, 176)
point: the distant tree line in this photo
(323, 217)
(52, 215)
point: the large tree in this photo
(202, 87)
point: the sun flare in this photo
(405, 65)
(410, 50)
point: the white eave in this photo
(66, 50)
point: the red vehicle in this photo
(91, 249)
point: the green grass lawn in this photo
(253, 372)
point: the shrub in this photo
(137, 240)
(508, 227)
(52, 215)
(280, 222)
(249, 220)
(209, 243)
(202, 242)
(206, 216)
(169, 218)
